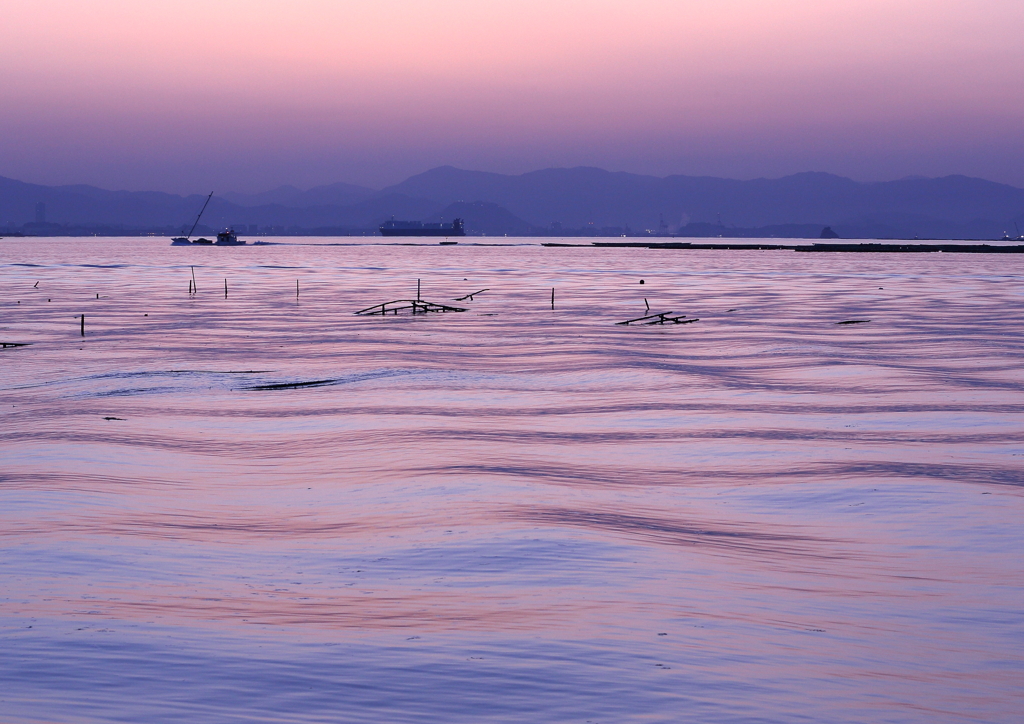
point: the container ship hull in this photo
(417, 228)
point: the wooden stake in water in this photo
(418, 290)
(195, 288)
(190, 287)
(646, 304)
(296, 288)
(552, 297)
(83, 325)
(225, 288)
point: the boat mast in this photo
(200, 215)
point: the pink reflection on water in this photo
(788, 500)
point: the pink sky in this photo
(186, 95)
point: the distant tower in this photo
(41, 213)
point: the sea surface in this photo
(258, 506)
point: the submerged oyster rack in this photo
(415, 305)
(660, 318)
(471, 295)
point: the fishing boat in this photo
(228, 237)
(187, 240)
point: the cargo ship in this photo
(419, 228)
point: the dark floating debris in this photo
(816, 246)
(114, 418)
(914, 248)
(660, 318)
(471, 295)
(14, 344)
(292, 385)
(417, 306)
(855, 321)
(219, 372)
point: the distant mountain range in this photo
(570, 201)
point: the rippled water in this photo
(512, 514)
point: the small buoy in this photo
(641, 281)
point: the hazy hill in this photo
(88, 205)
(577, 197)
(339, 194)
(481, 217)
(585, 199)
(281, 196)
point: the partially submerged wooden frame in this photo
(660, 318)
(471, 295)
(416, 305)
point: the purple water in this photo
(510, 514)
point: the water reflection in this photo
(268, 508)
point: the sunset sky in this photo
(188, 96)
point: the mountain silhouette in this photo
(576, 200)
(482, 217)
(577, 197)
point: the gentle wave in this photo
(256, 505)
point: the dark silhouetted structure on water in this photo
(419, 228)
